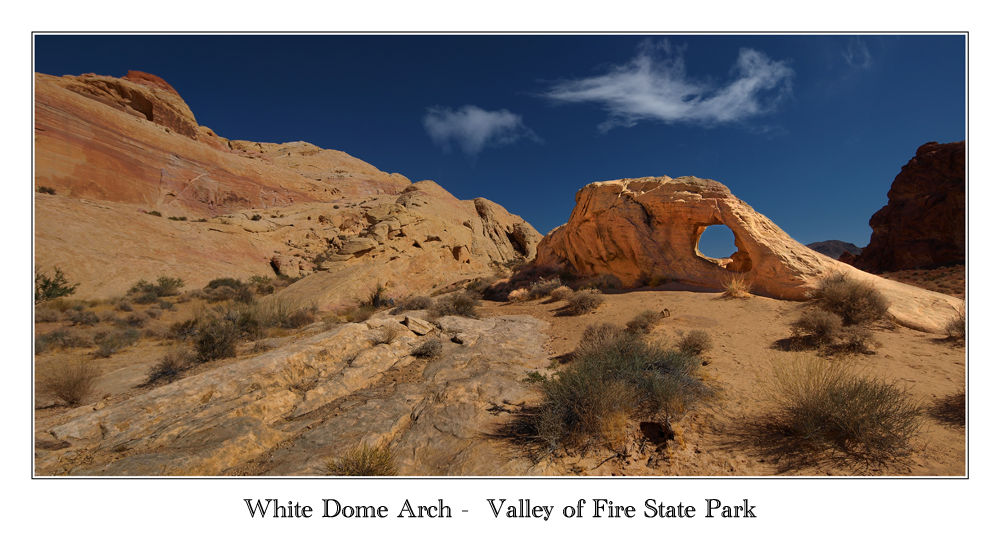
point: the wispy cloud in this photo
(473, 128)
(856, 54)
(654, 86)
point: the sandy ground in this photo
(724, 436)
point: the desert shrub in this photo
(300, 318)
(736, 285)
(47, 190)
(615, 376)
(82, 318)
(44, 314)
(154, 312)
(695, 342)
(955, 327)
(607, 281)
(362, 313)
(70, 382)
(379, 297)
(168, 286)
(47, 288)
(459, 304)
(430, 349)
(256, 217)
(413, 303)
(169, 367)
(857, 339)
(62, 339)
(225, 281)
(216, 339)
(110, 342)
(145, 298)
(535, 377)
(135, 319)
(543, 288)
(226, 289)
(854, 301)
(124, 306)
(155, 213)
(582, 302)
(561, 293)
(385, 335)
(167, 305)
(184, 329)
(477, 286)
(178, 218)
(829, 405)
(262, 284)
(108, 316)
(644, 321)
(364, 460)
(818, 327)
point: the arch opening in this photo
(719, 245)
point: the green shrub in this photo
(582, 302)
(70, 381)
(615, 376)
(47, 288)
(110, 342)
(458, 304)
(155, 213)
(364, 460)
(695, 343)
(379, 297)
(855, 302)
(429, 350)
(178, 218)
(226, 289)
(644, 322)
(149, 293)
(828, 405)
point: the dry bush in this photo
(124, 306)
(170, 366)
(110, 342)
(216, 339)
(956, 328)
(364, 460)
(543, 288)
(736, 285)
(62, 339)
(854, 301)
(68, 381)
(386, 335)
(582, 302)
(429, 350)
(413, 303)
(44, 314)
(82, 318)
(644, 322)
(561, 293)
(615, 376)
(300, 318)
(607, 281)
(362, 313)
(695, 343)
(818, 327)
(460, 304)
(154, 312)
(829, 405)
(135, 319)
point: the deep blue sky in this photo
(808, 129)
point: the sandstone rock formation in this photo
(317, 399)
(637, 229)
(115, 150)
(834, 248)
(924, 222)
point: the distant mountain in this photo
(834, 248)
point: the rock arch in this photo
(638, 228)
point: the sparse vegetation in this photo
(561, 293)
(148, 293)
(364, 460)
(818, 328)
(828, 405)
(216, 339)
(615, 376)
(413, 303)
(155, 213)
(582, 302)
(227, 289)
(855, 302)
(386, 334)
(429, 350)
(256, 217)
(543, 288)
(695, 342)
(110, 342)
(458, 304)
(47, 288)
(169, 367)
(70, 381)
(82, 318)
(178, 218)
(644, 321)
(47, 190)
(62, 339)
(379, 297)
(956, 328)
(736, 285)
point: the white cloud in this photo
(856, 54)
(473, 129)
(654, 86)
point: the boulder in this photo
(924, 222)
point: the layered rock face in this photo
(320, 398)
(638, 229)
(114, 150)
(924, 222)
